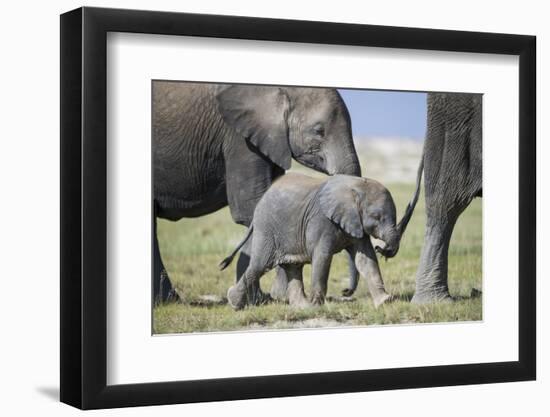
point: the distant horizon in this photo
(386, 114)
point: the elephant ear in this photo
(260, 115)
(340, 202)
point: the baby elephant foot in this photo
(296, 296)
(317, 299)
(382, 299)
(279, 287)
(258, 297)
(236, 296)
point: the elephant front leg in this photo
(367, 264)
(353, 276)
(162, 286)
(320, 268)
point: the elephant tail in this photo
(227, 261)
(402, 226)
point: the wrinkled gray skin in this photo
(217, 145)
(452, 165)
(303, 220)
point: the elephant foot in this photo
(236, 297)
(173, 297)
(279, 288)
(382, 299)
(317, 299)
(259, 298)
(348, 292)
(278, 294)
(431, 297)
(165, 293)
(296, 296)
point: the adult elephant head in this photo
(311, 125)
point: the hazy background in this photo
(389, 127)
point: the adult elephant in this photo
(452, 165)
(217, 145)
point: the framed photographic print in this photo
(258, 207)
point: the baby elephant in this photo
(303, 220)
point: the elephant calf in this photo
(303, 220)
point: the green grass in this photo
(192, 249)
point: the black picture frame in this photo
(84, 207)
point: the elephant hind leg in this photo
(247, 289)
(279, 288)
(431, 277)
(242, 266)
(295, 289)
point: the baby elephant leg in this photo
(280, 285)
(320, 268)
(295, 288)
(367, 264)
(246, 290)
(242, 265)
(353, 276)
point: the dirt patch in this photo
(313, 323)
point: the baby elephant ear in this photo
(259, 114)
(340, 203)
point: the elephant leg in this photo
(279, 288)
(320, 268)
(242, 265)
(295, 288)
(247, 289)
(367, 264)
(162, 286)
(443, 209)
(452, 178)
(431, 276)
(353, 276)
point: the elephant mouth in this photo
(385, 249)
(316, 163)
(385, 252)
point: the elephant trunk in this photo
(347, 164)
(392, 240)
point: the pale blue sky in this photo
(386, 113)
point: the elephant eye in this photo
(319, 129)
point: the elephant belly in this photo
(174, 208)
(294, 259)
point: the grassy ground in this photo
(192, 249)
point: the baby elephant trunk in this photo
(392, 239)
